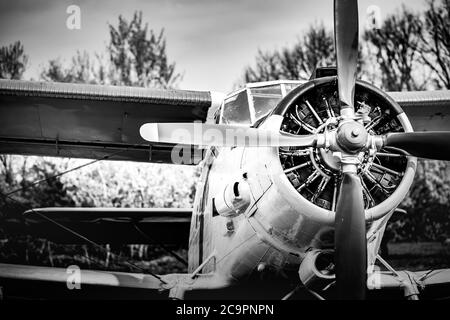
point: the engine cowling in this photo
(315, 173)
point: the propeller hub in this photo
(355, 132)
(351, 136)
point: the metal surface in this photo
(88, 277)
(350, 239)
(106, 225)
(431, 145)
(88, 121)
(346, 45)
(321, 91)
(220, 135)
(427, 110)
(124, 94)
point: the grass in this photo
(412, 256)
(415, 256)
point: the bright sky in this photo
(210, 40)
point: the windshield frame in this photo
(250, 104)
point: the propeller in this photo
(221, 135)
(350, 239)
(431, 145)
(350, 228)
(346, 44)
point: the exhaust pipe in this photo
(316, 271)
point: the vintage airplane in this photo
(298, 178)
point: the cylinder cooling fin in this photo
(315, 172)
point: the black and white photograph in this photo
(209, 150)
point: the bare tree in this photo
(435, 51)
(396, 50)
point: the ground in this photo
(415, 256)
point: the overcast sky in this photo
(210, 40)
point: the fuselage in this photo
(273, 233)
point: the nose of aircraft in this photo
(351, 136)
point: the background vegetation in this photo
(135, 56)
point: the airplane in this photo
(298, 182)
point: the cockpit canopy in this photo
(248, 105)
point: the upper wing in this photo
(92, 121)
(168, 226)
(427, 110)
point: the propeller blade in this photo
(221, 135)
(430, 144)
(346, 44)
(350, 240)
